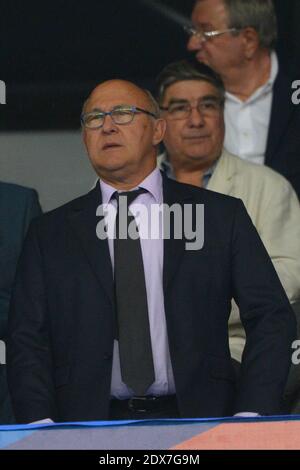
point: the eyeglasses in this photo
(120, 115)
(209, 107)
(207, 35)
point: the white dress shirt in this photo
(247, 122)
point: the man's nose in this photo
(108, 125)
(196, 118)
(195, 42)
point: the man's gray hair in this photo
(258, 14)
(184, 70)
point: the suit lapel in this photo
(174, 193)
(83, 220)
(223, 177)
(280, 115)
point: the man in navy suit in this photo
(18, 206)
(65, 362)
(237, 40)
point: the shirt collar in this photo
(273, 74)
(166, 166)
(152, 183)
(274, 68)
(266, 88)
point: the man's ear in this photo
(159, 131)
(251, 41)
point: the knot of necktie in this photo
(129, 195)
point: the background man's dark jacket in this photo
(283, 145)
(18, 206)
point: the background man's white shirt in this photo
(247, 122)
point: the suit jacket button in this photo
(107, 357)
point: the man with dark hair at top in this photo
(191, 97)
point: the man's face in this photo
(126, 151)
(220, 52)
(198, 138)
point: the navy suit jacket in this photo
(18, 206)
(283, 144)
(61, 323)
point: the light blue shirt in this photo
(167, 168)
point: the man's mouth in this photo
(110, 145)
(196, 137)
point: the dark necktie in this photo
(136, 359)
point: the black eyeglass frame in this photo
(131, 109)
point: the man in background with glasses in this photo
(132, 328)
(191, 98)
(236, 38)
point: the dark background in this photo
(54, 52)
